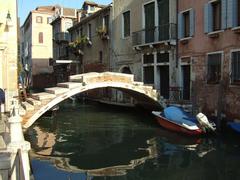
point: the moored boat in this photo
(235, 126)
(175, 119)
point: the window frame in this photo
(123, 25)
(214, 19)
(37, 19)
(230, 68)
(192, 24)
(221, 67)
(90, 31)
(185, 35)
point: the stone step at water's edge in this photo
(27, 106)
(33, 102)
(43, 96)
(69, 85)
(56, 90)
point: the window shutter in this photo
(192, 22)
(224, 14)
(206, 18)
(180, 25)
(231, 13)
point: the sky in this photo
(25, 6)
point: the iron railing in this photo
(62, 37)
(156, 34)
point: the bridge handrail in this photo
(18, 165)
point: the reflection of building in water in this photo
(44, 141)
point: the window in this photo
(148, 59)
(216, 17)
(40, 37)
(68, 25)
(89, 31)
(163, 57)
(39, 19)
(215, 13)
(100, 56)
(92, 8)
(126, 24)
(49, 20)
(186, 24)
(214, 68)
(106, 22)
(235, 68)
(148, 72)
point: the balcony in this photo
(62, 37)
(158, 34)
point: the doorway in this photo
(164, 81)
(186, 81)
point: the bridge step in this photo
(2, 143)
(27, 106)
(22, 111)
(138, 83)
(33, 102)
(69, 85)
(43, 96)
(56, 90)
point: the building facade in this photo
(90, 41)
(62, 20)
(209, 54)
(8, 52)
(37, 46)
(144, 42)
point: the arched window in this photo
(40, 37)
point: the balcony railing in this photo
(154, 35)
(62, 37)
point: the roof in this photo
(41, 9)
(46, 8)
(93, 4)
(88, 18)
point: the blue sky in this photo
(25, 6)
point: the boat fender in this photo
(204, 123)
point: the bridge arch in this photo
(85, 82)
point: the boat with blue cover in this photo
(235, 126)
(176, 119)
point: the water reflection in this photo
(99, 142)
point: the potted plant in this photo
(102, 32)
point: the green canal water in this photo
(99, 142)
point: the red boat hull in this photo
(177, 128)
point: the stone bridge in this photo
(37, 104)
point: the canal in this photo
(90, 141)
